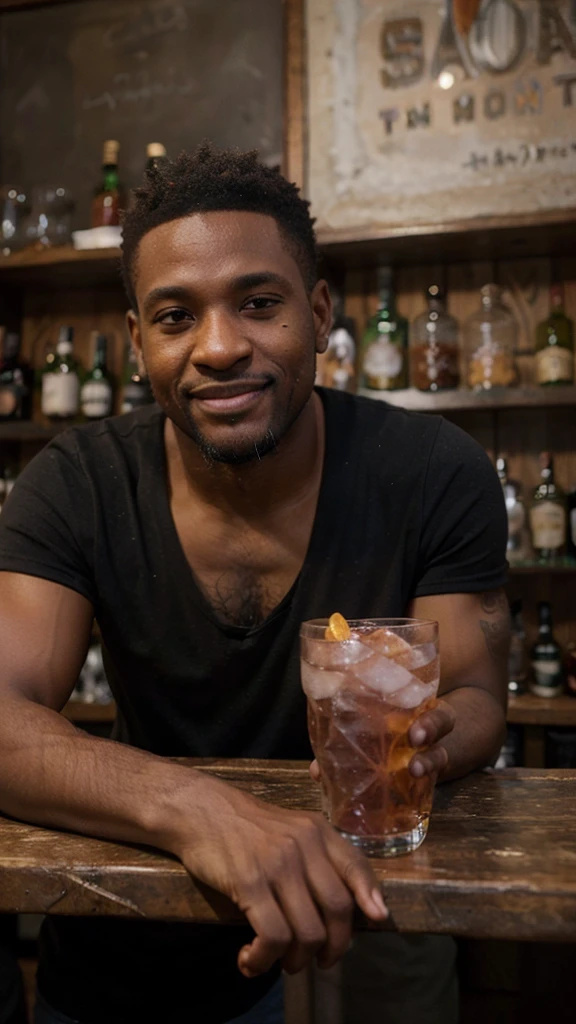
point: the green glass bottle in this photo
(385, 342)
(555, 344)
(60, 380)
(96, 396)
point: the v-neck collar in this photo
(322, 517)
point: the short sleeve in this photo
(46, 522)
(464, 524)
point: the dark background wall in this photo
(76, 74)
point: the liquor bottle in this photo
(60, 380)
(385, 341)
(517, 657)
(546, 657)
(548, 516)
(555, 344)
(434, 346)
(571, 539)
(106, 202)
(155, 155)
(16, 382)
(7, 481)
(96, 394)
(136, 390)
(336, 367)
(490, 343)
(518, 546)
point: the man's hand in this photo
(427, 731)
(290, 872)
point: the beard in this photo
(236, 454)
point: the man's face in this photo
(226, 330)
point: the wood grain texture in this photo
(527, 709)
(294, 92)
(498, 862)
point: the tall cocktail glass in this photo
(363, 694)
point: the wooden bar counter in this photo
(499, 861)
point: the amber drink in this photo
(364, 692)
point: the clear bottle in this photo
(571, 537)
(155, 155)
(107, 197)
(518, 655)
(96, 395)
(385, 342)
(548, 514)
(555, 344)
(60, 380)
(16, 381)
(518, 548)
(136, 390)
(434, 351)
(336, 368)
(546, 657)
(490, 337)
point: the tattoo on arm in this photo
(496, 629)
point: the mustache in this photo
(259, 380)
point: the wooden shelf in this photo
(77, 711)
(461, 399)
(541, 234)
(62, 265)
(529, 568)
(29, 431)
(527, 709)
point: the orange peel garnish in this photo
(338, 628)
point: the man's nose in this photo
(220, 342)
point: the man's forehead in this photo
(213, 231)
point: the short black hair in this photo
(218, 179)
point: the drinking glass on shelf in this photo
(13, 211)
(50, 220)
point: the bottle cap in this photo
(110, 152)
(556, 294)
(435, 293)
(66, 334)
(11, 345)
(155, 149)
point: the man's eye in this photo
(173, 316)
(258, 302)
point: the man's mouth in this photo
(234, 396)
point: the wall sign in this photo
(421, 111)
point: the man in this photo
(200, 532)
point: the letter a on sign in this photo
(553, 33)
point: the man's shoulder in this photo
(373, 422)
(123, 431)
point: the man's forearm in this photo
(478, 733)
(55, 775)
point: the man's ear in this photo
(321, 303)
(133, 325)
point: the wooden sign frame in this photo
(297, 154)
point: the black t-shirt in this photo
(409, 505)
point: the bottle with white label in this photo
(546, 657)
(60, 380)
(96, 396)
(385, 343)
(548, 517)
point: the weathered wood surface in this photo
(499, 860)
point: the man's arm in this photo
(294, 877)
(467, 729)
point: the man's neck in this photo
(257, 487)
